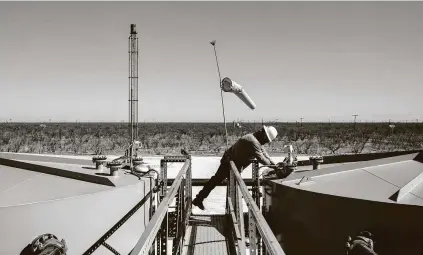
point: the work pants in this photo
(221, 174)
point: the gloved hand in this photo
(280, 165)
(267, 171)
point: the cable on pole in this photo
(221, 93)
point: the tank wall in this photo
(313, 223)
(80, 220)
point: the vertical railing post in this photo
(231, 191)
(159, 241)
(180, 219)
(256, 184)
(183, 216)
(160, 197)
(230, 199)
(164, 230)
(163, 179)
(152, 210)
(253, 236)
(176, 219)
(228, 195)
(189, 188)
(262, 247)
(234, 197)
(240, 214)
(164, 234)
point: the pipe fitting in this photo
(99, 161)
(99, 165)
(140, 165)
(114, 167)
(137, 161)
(114, 171)
(316, 161)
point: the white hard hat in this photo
(271, 132)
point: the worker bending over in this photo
(246, 149)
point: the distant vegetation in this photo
(206, 138)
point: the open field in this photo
(205, 138)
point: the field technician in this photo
(247, 148)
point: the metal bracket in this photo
(102, 239)
(110, 248)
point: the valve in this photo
(281, 170)
(48, 244)
(158, 186)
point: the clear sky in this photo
(68, 61)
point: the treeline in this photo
(206, 138)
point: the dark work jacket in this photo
(244, 151)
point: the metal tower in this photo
(133, 88)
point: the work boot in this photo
(198, 202)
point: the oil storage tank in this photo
(93, 211)
(314, 212)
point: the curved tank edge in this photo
(325, 221)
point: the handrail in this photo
(148, 236)
(269, 239)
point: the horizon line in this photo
(206, 122)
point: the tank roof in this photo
(28, 181)
(392, 180)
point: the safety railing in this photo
(258, 229)
(165, 224)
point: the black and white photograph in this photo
(211, 127)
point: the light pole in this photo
(355, 117)
(391, 126)
(221, 91)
